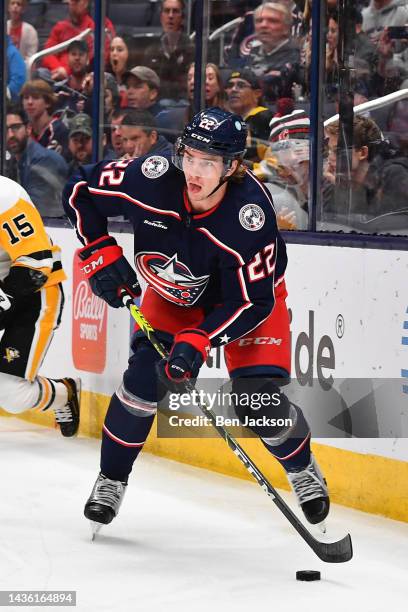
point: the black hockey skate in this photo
(67, 417)
(311, 491)
(105, 500)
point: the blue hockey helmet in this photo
(217, 132)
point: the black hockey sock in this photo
(123, 436)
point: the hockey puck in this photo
(307, 575)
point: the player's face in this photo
(34, 105)
(202, 172)
(136, 142)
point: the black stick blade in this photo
(334, 552)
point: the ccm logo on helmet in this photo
(198, 137)
(260, 340)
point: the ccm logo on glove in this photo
(108, 271)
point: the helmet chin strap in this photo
(220, 184)
(223, 179)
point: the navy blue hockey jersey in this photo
(227, 261)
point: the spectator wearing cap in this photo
(78, 60)
(285, 168)
(171, 55)
(140, 136)
(243, 97)
(23, 34)
(143, 86)
(40, 171)
(274, 56)
(39, 100)
(80, 142)
(77, 21)
(71, 91)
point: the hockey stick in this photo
(332, 552)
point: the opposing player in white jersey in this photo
(31, 303)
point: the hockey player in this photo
(31, 302)
(207, 245)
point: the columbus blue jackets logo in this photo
(154, 166)
(252, 217)
(170, 278)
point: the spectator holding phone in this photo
(382, 14)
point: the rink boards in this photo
(349, 311)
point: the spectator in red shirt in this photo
(78, 21)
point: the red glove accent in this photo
(198, 338)
(95, 256)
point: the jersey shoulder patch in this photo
(10, 193)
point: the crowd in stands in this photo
(263, 73)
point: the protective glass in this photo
(289, 155)
(291, 152)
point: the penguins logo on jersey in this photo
(11, 354)
(170, 278)
(252, 217)
(154, 166)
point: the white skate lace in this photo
(107, 492)
(307, 484)
(63, 414)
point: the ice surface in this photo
(186, 540)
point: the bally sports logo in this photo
(89, 325)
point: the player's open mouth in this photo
(194, 187)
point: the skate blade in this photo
(95, 529)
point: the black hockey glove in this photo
(108, 271)
(188, 353)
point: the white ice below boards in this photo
(186, 540)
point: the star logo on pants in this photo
(224, 339)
